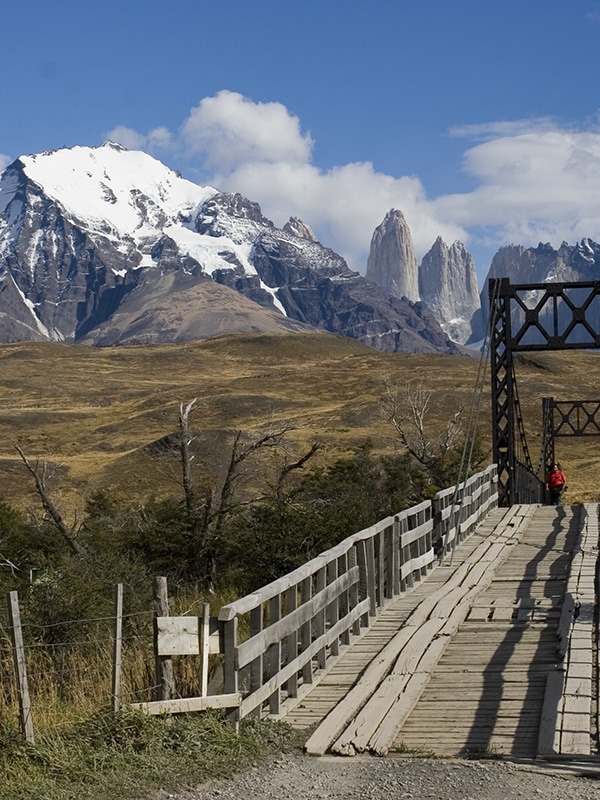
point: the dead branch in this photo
(6, 562)
(186, 457)
(39, 473)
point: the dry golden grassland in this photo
(92, 413)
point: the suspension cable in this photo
(471, 431)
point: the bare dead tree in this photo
(209, 508)
(39, 473)
(407, 412)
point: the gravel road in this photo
(300, 777)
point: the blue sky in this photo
(479, 119)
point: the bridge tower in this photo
(532, 317)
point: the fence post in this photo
(117, 648)
(165, 688)
(20, 666)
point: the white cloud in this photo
(159, 139)
(534, 180)
(542, 185)
(230, 130)
(493, 130)
(4, 161)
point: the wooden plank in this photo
(392, 722)
(184, 705)
(549, 737)
(389, 706)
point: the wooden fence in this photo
(298, 624)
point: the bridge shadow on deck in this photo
(524, 743)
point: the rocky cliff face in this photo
(448, 284)
(541, 264)
(446, 280)
(103, 245)
(392, 263)
(333, 298)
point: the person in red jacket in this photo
(557, 483)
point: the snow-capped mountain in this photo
(105, 245)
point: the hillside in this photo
(96, 414)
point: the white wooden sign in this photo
(182, 636)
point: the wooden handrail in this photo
(299, 622)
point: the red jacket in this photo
(556, 478)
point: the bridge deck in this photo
(485, 692)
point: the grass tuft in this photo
(129, 755)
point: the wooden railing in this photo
(281, 639)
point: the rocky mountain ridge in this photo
(445, 280)
(108, 246)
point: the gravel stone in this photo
(301, 777)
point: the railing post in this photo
(354, 596)
(205, 653)
(344, 601)
(379, 543)
(306, 592)
(371, 575)
(363, 584)
(256, 667)
(320, 620)
(388, 548)
(291, 641)
(230, 667)
(407, 578)
(274, 654)
(396, 557)
(333, 607)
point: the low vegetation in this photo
(129, 755)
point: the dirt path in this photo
(300, 777)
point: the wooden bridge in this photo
(452, 628)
